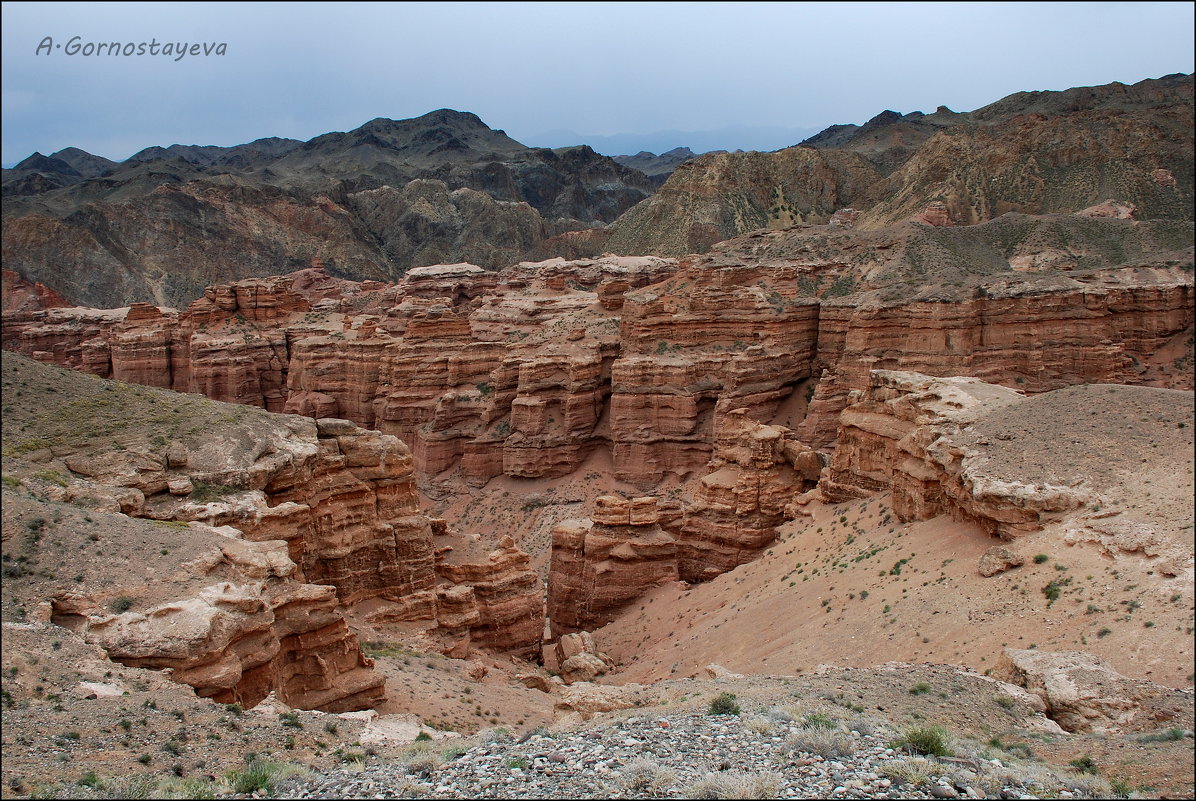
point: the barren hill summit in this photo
(367, 203)
(389, 195)
(1032, 152)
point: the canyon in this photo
(728, 391)
(449, 432)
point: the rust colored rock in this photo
(598, 567)
(756, 472)
(845, 218)
(1011, 332)
(20, 295)
(497, 599)
(579, 659)
(935, 214)
(1163, 177)
(239, 640)
(610, 294)
(716, 337)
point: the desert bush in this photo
(759, 724)
(260, 774)
(421, 759)
(819, 720)
(1165, 736)
(735, 784)
(724, 704)
(916, 772)
(645, 777)
(1089, 786)
(825, 743)
(927, 740)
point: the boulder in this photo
(998, 559)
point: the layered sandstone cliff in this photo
(1013, 465)
(756, 473)
(249, 629)
(602, 564)
(626, 547)
(325, 518)
(488, 598)
(526, 372)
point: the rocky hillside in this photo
(244, 538)
(658, 168)
(1032, 152)
(369, 203)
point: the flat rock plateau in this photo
(437, 466)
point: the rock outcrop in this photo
(710, 340)
(495, 602)
(756, 473)
(1083, 693)
(1034, 335)
(903, 435)
(578, 658)
(341, 500)
(600, 565)
(255, 631)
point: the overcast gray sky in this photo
(540, 71)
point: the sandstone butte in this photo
(741, 369)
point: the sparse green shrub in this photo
(928, 741)
(724, 704)
(1039, 558)
(921, 688)
(261, 775)
(1120, 788)
(203, 492)
(1084, 764)
(1165, 736)
(122, 604)
(819, 720)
